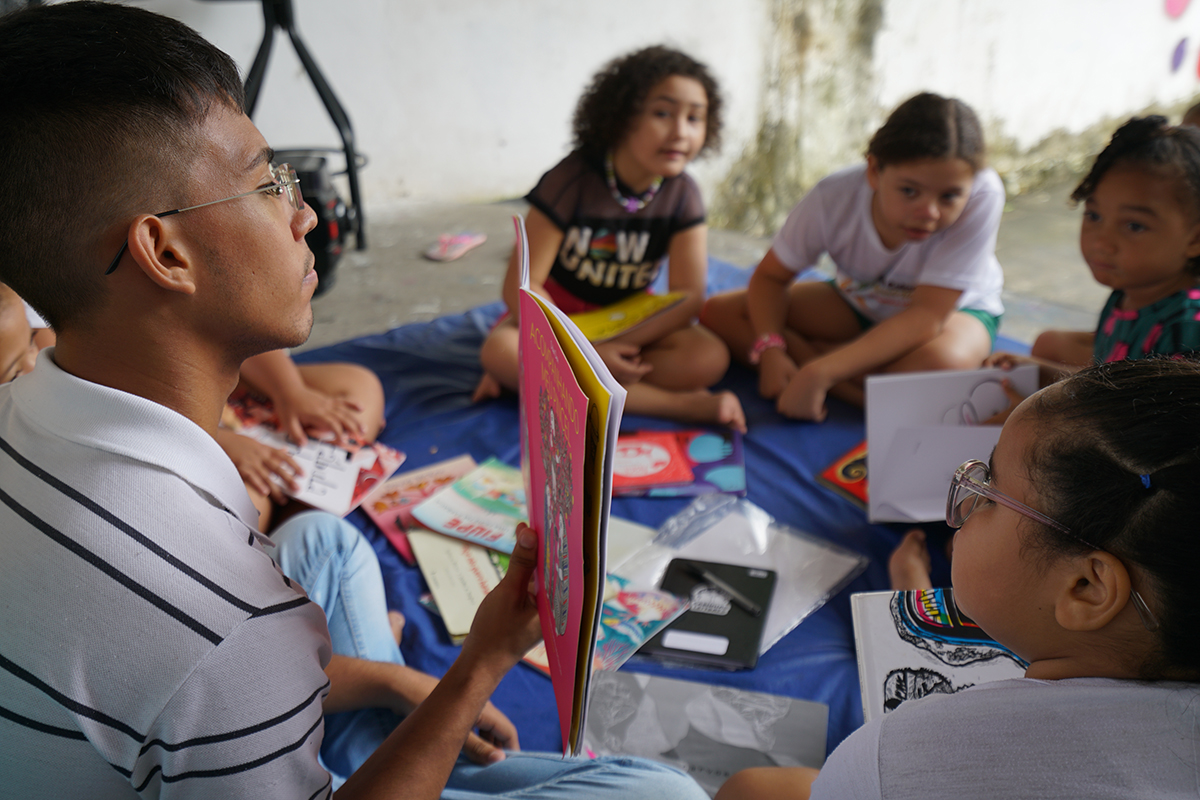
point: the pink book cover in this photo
(390, 504)
(553, 422)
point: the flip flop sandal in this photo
(451, 246)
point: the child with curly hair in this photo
(604, 221)
(1140, 236)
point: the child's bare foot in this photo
(909, 565)
(488, 388)
(396, 620)
(729, 411)
(703, 406)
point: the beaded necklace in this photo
(630, 204)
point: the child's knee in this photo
(722, 310)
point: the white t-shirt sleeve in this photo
(801, 240)
(962, 257)
(852, 770)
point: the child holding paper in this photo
(603, 221)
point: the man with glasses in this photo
(150, 647)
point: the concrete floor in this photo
(391, 284)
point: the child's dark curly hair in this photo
(608, 107)
(1155, 145)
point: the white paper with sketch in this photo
(921, 426)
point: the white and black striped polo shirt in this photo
(148, 644)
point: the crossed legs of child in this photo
(682, 365)
(819, 320)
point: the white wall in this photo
(1039, 65)
(471, 99)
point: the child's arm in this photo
(687, 273)
(924, 319)
(298, 405)
(767, 306)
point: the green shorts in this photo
(991, 322)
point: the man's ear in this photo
(162, 255)
(1095, 589)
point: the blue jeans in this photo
(336, 566)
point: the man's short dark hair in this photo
(100, 105)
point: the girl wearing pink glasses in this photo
(1077, 548)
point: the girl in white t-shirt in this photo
(1077, 549)
(912, 233)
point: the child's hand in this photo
(257, 463)
(775, 372)
(309, 409)
(1007, 361)
(804, 397)
(624, 361)
(1014, 400)
(496, 734)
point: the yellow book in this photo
(609, 322)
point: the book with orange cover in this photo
(848, 475)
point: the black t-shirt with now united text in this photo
(608, 254)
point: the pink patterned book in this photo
(390, 504)
(570, 414)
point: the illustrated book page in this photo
(679, 463)
(482, 507)
(390, 504)
(459, 575)
(332, 478)
(914, 643)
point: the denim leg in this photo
(547, 776)
(336, 566)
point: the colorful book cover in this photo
(482, 507)
(390, 505)
(459, 576)
(570, 413)
(848, 475)
(649, 458)
(916, 643)
(332, 478)
(628, 618)
(713, 461)
(609, 322)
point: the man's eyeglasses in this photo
(286, 182)
(973, 480)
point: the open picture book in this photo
(915, 643)
(570, 414)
